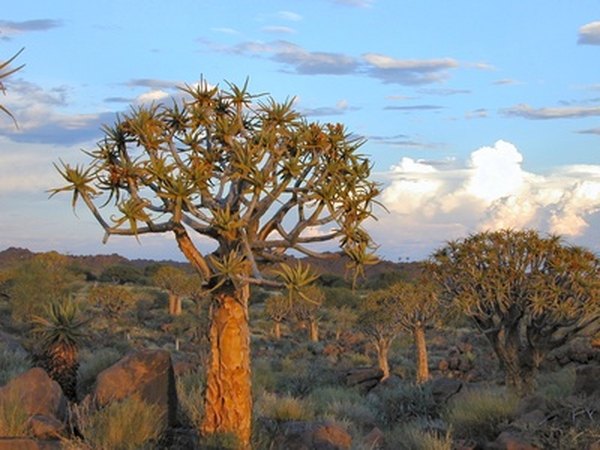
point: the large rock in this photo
(364, 377)
(443, 389)
(28, 444)
(41, 397)
(296, 435)
(586, 380)
(147, 374)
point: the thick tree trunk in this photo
(520, 365)
(277, 330)
(382, 347)
(228, 396)
(174, 305)
(421, 354)
(314, 330)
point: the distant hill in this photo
(335, 264)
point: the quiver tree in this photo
(306, 306)
(277, 308)
(417, 307)
(255, 178)
(379, 320)
(112, 299)
(178, 284)
(526, 293)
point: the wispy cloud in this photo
(505, 82)
(413, 107)
(340, 108)
(152, 83)
(479, 113)
(402, 141)
(356, 3)
(590, 131)
(225, 30)
(589, 34)
(289, 15)
(443, 92)
(9, 28)
(570, 112)
(408, 71)
(278, 29)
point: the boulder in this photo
(586, 380)
(44, 427)
(364, 377)
(508, 440)
(147, 374)
(28, 444)
(295, 435)
(39, 394)
(442, 389)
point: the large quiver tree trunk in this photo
(228, 396)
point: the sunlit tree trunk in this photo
(277, 330)
(174, 305)
(228, 396)
(383, 346)
(421, 354)
(313, 326)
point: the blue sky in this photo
(478, 115)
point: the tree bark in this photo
(421, 354)
(382, 346)
(314, 330)
(228, 394)
(174, 305)
(277, 330)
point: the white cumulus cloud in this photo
(490, 190)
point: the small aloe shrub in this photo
(60, 332)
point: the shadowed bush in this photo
(481, 414)
(412, 436)
(283, 408)
(11, 364)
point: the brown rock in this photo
(44, 427)
(364, 377)
(296, 435)
(39, 394)
(512, 441)
(443, 389)
(28, 444)
(147, 374)
(586, 380)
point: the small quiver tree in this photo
(5, 71)
(379, 320)
(256, 179)
(417, 308)
(306, 306)
(526, 293)
(277, 308)
(177, 283)
(59, 332)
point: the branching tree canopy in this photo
(5, 71)
(250, 174)
(528, 294)
(417, 307)
(177, 283)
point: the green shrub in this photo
(412, 436)
(128, 425)
(190, 387)
(283, 408)
(13, 417)
(341, 296)
(342, 403)
(481, 414)
(554, 385)
(11, 364)
(220, 441)
(402, 403)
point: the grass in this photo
(92, 363)
(128, 425)
(481, 414)
(283, 408)
(190, 389)
(11, 364)
(13, 416)
(412, 436)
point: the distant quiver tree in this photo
(526, 293)
(251, 175)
